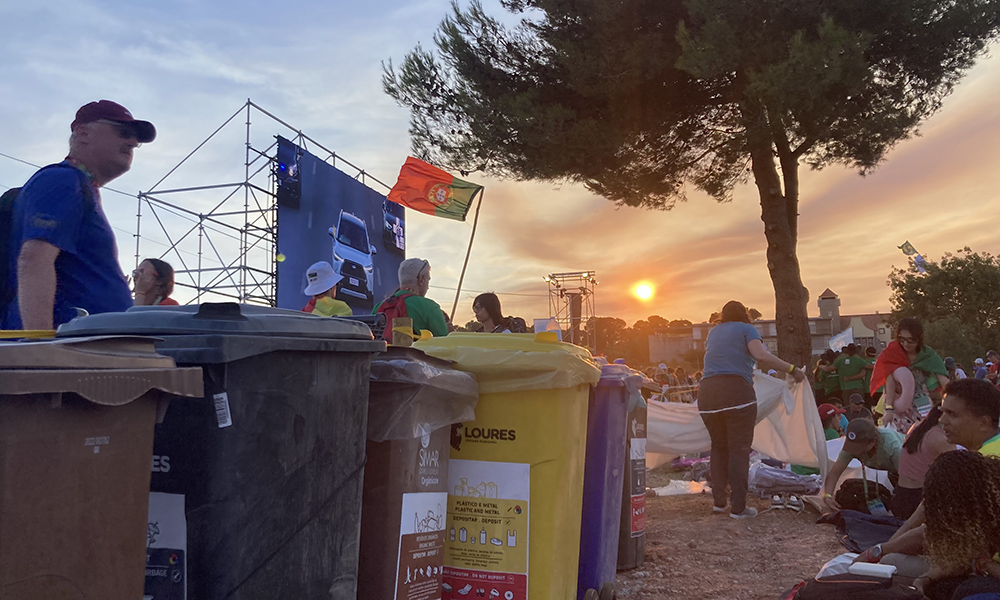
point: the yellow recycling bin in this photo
(515, 492)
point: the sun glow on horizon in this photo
(643, 291)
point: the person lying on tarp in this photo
(875, 448)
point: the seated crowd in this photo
(937, 435)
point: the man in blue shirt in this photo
(63, 250)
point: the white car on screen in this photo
(353, 256)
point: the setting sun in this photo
(643, 291)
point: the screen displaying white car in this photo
(353, 256)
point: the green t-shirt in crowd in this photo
(426, 314)
(886, 458)
(831, 381)
(849, 366)
(869, 363)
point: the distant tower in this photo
(829, 308)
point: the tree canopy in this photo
(637, 98)
(957, 300)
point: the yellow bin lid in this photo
(510, 362)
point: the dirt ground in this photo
(695, 554)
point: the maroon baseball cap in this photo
(112, 111)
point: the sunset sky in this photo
(187, 66)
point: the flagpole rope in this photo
(468, 252)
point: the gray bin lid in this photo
(227, 318)
(227, 332)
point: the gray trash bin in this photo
(271, 468)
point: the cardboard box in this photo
(75, 454)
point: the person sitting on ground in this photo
(686, 384)
(980, 372)
(660, 375)
(970, 417)
(829, 415)
(875, 448)
(918, 368)
(487, 310)
(414, 283)
(962, 502)
(992, 366)
(153, 282)
(321, 284)
(922, 445)
(856, 408)
(955, 371)
(960, 371)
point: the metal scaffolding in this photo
(227, 251)
(572, 305)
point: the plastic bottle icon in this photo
(463, 535)
(482, 536)
(511, 538)
(451, 534)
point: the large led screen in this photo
(325, 214)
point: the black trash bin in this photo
(413, 402)
(271, 468)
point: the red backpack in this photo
(393, 308)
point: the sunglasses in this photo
(427, 265)
(123, 130)
(907, 339)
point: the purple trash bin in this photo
(603, 481)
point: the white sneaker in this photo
(748, 513)
(719, 509)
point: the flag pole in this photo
(468, 252)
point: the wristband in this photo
(791, 369)
(888, 408)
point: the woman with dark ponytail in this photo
(924, 443)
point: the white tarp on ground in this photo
(788, 426)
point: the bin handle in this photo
(220, 311)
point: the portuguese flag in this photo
(427, 189)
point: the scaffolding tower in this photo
(572, 305)
(223, 239)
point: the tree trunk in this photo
(779, 212)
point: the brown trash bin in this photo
(76, 445)
(413, 401)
